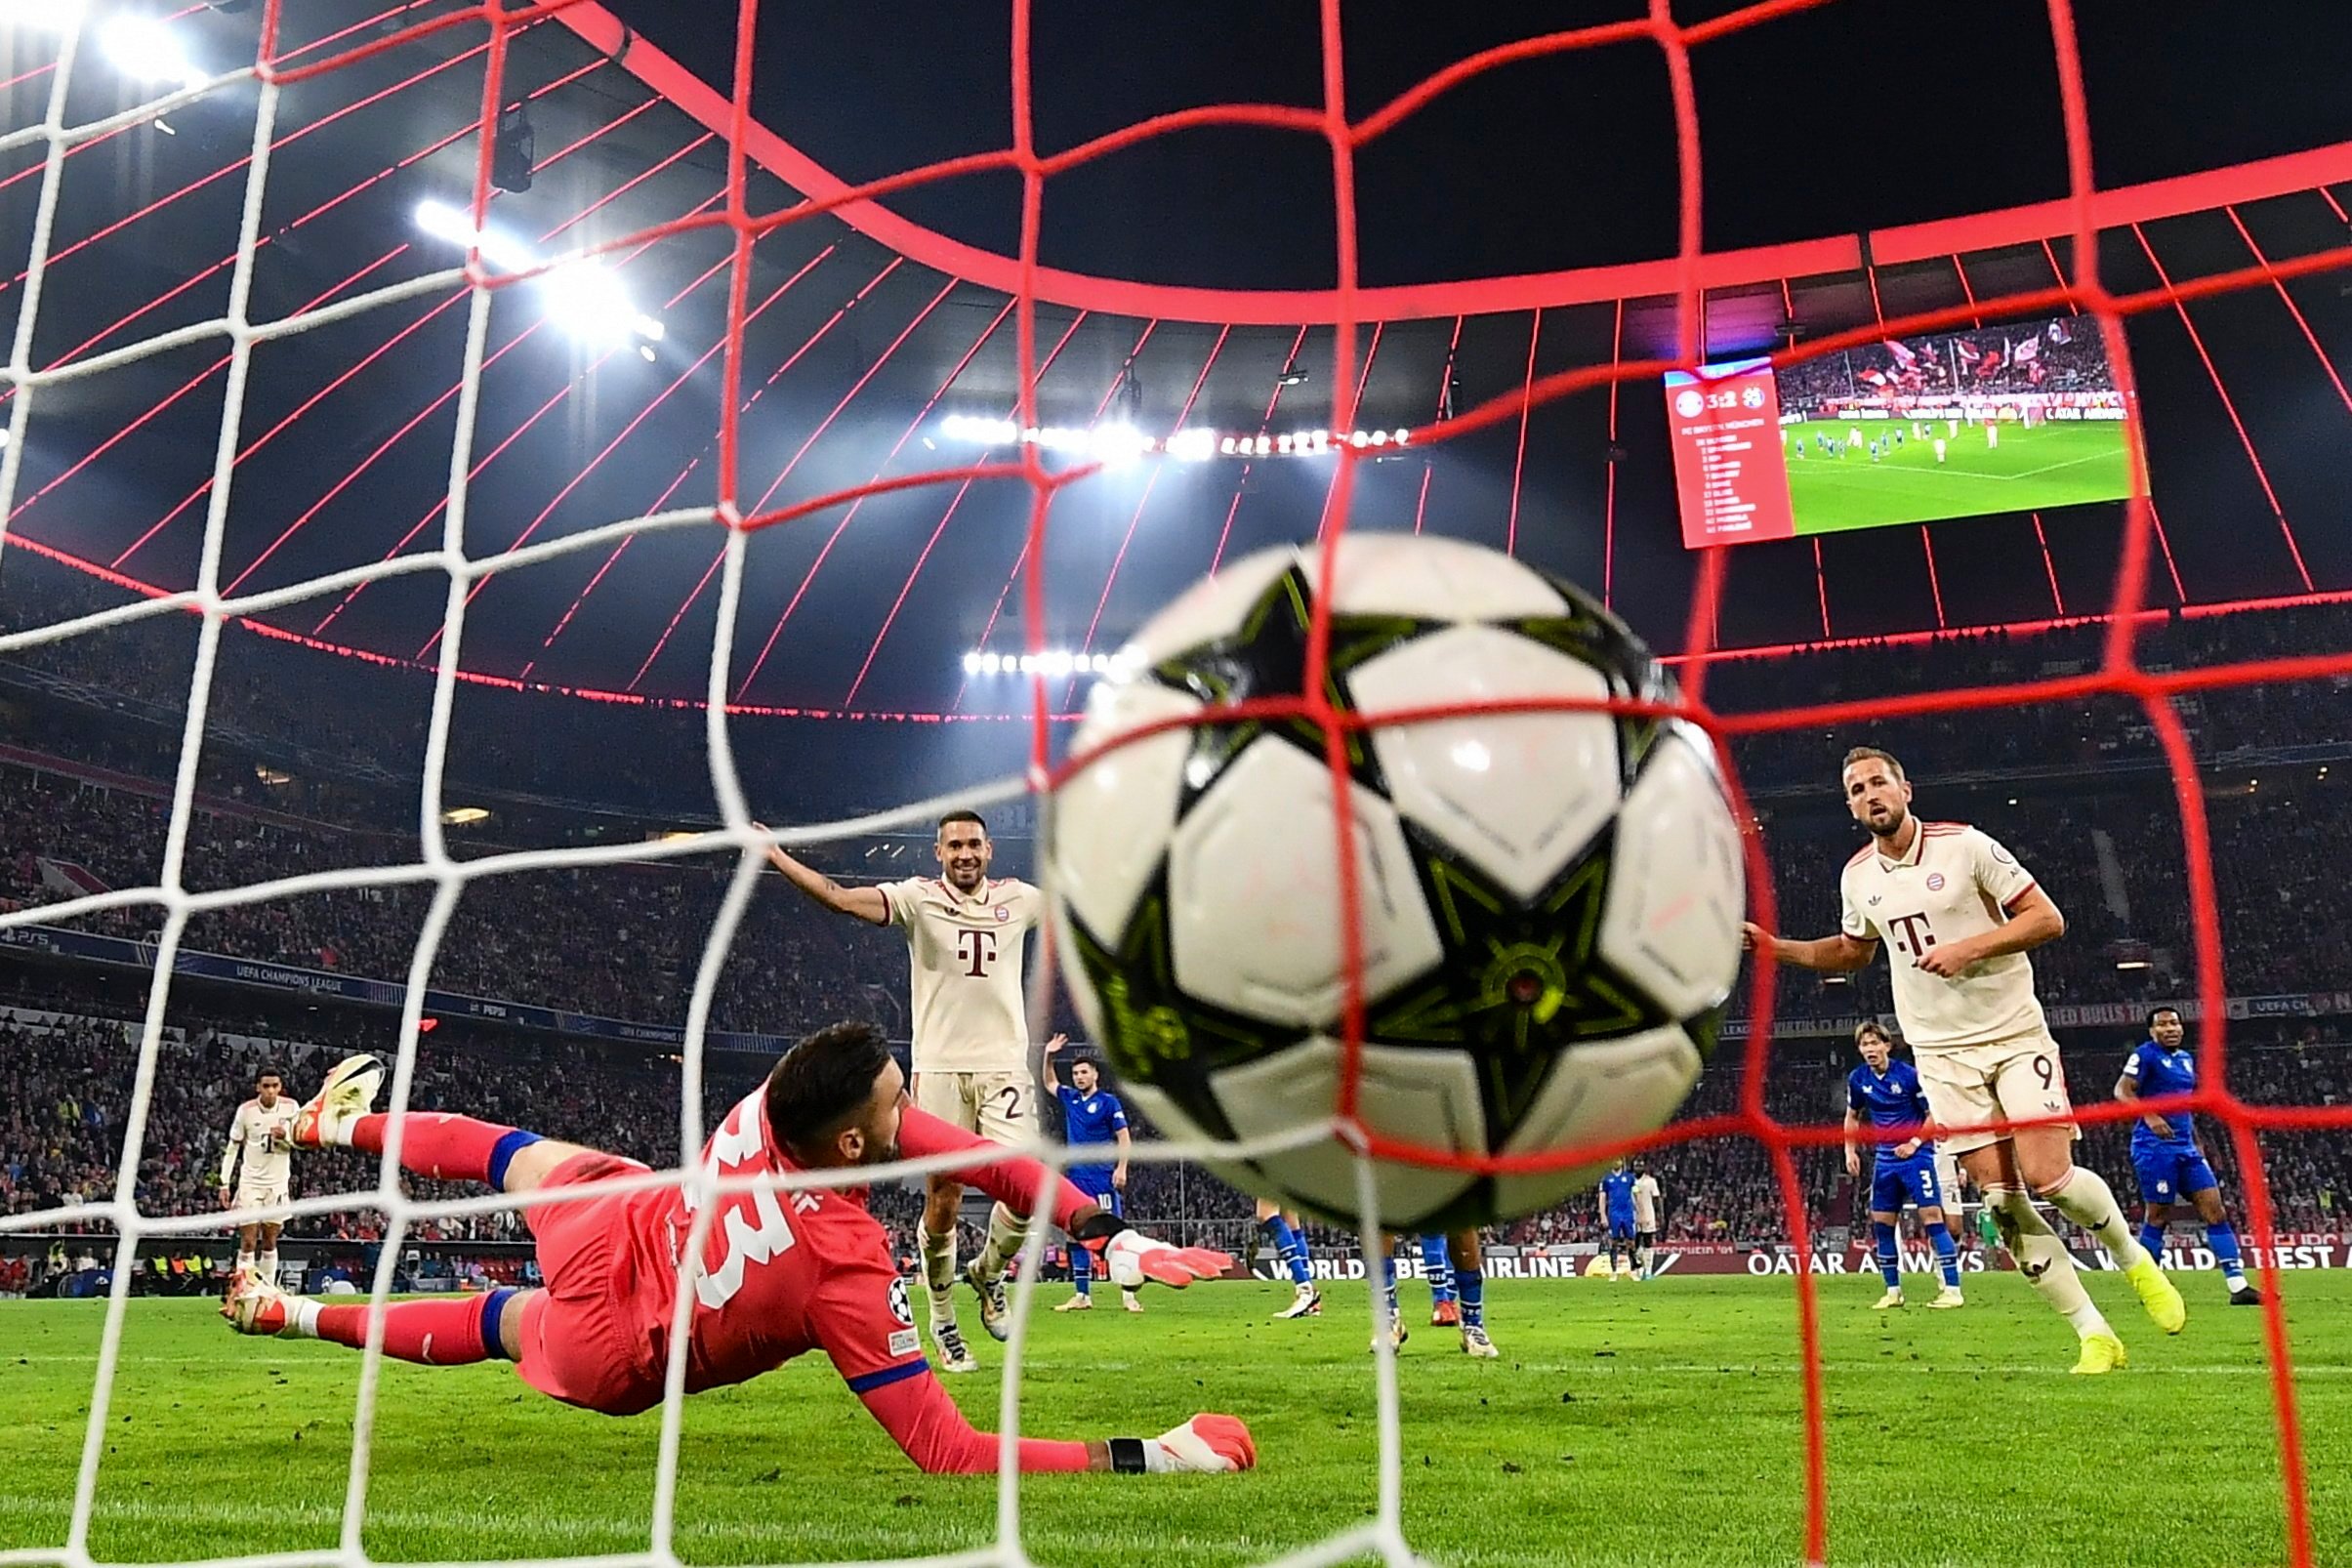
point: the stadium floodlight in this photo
(1057, 662)
(1192, 445)
(587, 300)
(582, 294)
(144, 48)
(503, 250)
(1120, 443)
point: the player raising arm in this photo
(1961, 914)
(964, 931)
(780, 1272)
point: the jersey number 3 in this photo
(751, 1226)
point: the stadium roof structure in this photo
(1518, 222)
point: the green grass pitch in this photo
(2060, 464)
(1625, 1424)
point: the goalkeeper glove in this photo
(1207, 1444)
(1135, 1257)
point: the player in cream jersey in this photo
(260, 1155)
(1959, 913)
(964, 935)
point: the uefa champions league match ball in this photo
(1551, 902)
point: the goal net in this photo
(222, 322)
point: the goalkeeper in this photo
(782, 1272)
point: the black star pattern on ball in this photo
(1265, 656)
(1520, 982)
(1153, 1032)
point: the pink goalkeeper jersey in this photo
(788, 1272)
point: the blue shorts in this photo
(1892, 1182)
(2168, 1173)
(1620, 1229)
(1096, 1182)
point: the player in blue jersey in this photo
(1888, 1091)
(1091, 1115)
(1617, 1212)
(2172, 1170)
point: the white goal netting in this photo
(86, 57)
(80, 43)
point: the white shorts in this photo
(259, 1195)
(1946, 1180)
(998, 1106)
(1976, 1090)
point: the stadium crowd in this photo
(2078, 790)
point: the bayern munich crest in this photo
(1935, 882)
(1003, 913)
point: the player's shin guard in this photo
(2152, 1237)
(449, 1148)
(2224, 1239)
(1005, 1233)
(1469, 1289)
(2084, 1198)
(1947, 1254)
(2042, 1259)
(1438, 1265)
(1890, 1264)
(939, 1275)
(453, 1331)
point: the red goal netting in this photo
(742, 510)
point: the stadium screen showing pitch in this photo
(1993, 420)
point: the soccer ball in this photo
(1551, 900)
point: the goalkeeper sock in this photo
(1469, 1288)
(1439, 1266)
(939, 1276)
(2225, 1241)
(1889, 1261)
(2152, 1237)
(1005, 1234)
(2042, 1259)
(1947, 1254)
(450, 1148)
(453, 1331)
(2083, 1197)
